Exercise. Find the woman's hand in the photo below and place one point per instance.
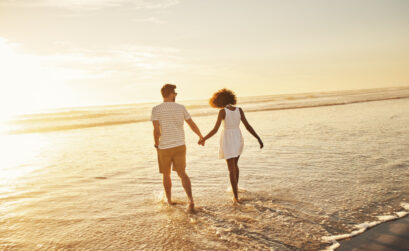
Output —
(201, 141)
(261, 143)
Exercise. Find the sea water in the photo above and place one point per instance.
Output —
(87, 179)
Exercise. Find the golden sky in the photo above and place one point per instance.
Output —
(78, 52)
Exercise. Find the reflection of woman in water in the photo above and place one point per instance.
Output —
(231, 141)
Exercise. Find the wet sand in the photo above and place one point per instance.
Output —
(393, 235)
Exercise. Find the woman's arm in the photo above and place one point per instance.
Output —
(220, 117)
(249, 128)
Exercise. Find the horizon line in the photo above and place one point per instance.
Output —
(40, 111)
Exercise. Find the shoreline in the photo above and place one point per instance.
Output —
(374, 235)
(391, 235)
(65, 127)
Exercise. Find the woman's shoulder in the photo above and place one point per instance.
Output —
(222, 112)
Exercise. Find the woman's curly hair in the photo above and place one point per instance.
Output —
(223, 97)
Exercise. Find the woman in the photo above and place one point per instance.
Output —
(231, 141)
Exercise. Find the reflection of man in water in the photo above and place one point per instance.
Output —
(167, 119)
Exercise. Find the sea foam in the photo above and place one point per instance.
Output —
(362, 227)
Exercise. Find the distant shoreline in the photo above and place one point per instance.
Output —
(127, 114)
(240, 98)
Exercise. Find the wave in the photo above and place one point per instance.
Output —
(361, 228)
(84, 117)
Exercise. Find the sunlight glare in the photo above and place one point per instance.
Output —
(27, 84)
(19, 157)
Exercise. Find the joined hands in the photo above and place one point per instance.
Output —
(201, 141)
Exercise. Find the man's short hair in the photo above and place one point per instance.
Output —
(167, 89)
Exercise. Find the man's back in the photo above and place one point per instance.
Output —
(171, 117)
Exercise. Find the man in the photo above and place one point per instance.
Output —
(168, 119)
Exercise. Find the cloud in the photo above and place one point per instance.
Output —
(125, 58)
(92, 4)
(153, 20)
(67, 62)
(55, 78)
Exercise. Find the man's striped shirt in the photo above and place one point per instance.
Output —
(171, 117)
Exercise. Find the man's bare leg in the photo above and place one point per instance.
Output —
(188, 189)
(167, 184)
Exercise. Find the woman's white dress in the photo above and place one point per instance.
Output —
(231, 140)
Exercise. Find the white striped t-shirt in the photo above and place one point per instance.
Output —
(171, 117)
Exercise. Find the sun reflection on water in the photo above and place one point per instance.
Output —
(18, 159)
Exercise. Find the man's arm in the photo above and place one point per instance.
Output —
(194, 127)
(156, 132)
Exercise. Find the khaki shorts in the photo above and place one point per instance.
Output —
(175, 155)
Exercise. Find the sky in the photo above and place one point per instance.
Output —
(57, 53)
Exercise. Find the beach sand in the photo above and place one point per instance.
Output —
(393, 235)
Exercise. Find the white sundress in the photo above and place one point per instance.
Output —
(231, 140)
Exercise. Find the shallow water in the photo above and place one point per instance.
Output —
(323, 171)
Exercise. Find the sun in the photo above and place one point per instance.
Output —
(27, 84)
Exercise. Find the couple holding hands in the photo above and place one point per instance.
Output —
(168, 118)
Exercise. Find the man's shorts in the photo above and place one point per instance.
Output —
(175, 156)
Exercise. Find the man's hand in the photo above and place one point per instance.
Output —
(201, 141)
(195, 129)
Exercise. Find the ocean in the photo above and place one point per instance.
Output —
(86, 178)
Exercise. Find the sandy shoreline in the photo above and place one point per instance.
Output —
(392, 235)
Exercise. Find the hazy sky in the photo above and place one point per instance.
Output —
(79, 52)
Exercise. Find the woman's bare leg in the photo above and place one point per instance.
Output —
(237, 169)
(231, 164)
